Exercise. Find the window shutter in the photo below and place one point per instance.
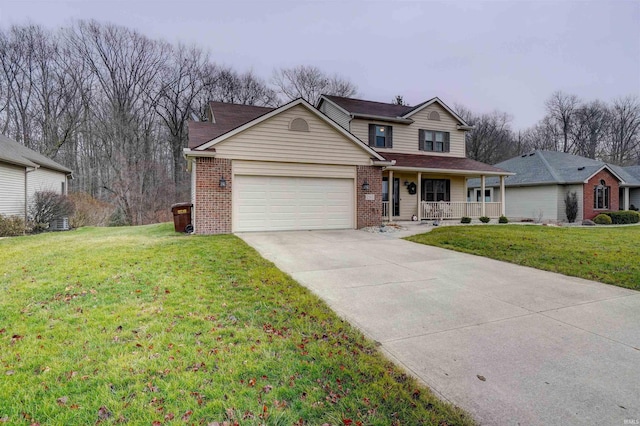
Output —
(447, 196)
(421, 146)
(390, 137)
(446, 143)
(372, 135)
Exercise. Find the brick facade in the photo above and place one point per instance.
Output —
(369, 212)
(588, 193)
(212, 210)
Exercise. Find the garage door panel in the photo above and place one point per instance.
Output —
(263, 203)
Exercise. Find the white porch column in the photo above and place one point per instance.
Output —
(482, 185)
(390, 207)
(419, 196)
(626, 198)
(503, 208)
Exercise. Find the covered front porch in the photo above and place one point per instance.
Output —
(427, 194)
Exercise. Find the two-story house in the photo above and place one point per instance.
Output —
(348, 163)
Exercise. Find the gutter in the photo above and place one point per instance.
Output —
(450, 171)
(383, 163)
(382, 118)
(462, 127)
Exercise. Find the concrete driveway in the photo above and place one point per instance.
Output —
(509, 344)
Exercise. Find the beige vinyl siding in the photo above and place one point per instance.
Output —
(409, 203)
(405, 137)
(562, 192)
(12, 190)
(634, 197)
(335, 114)
(532, 202)
(271, 140)
(45, 180)
(261, 168)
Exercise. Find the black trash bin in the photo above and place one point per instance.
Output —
(182, 217)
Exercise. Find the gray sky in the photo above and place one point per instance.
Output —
(486, 55)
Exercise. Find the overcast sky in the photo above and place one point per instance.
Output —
(497, 55)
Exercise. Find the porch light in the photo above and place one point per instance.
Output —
(223, 182)
(365, 185)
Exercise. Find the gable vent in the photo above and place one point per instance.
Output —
(433, 115)
(299, 125)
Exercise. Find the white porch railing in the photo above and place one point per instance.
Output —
(385, 209)
(458, 209)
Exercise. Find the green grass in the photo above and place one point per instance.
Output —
(606, 254)
(145, 326)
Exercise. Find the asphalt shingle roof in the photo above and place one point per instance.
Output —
(439, 162)
(227, 117)
(552, 167)
(15, 153)
(360, 106)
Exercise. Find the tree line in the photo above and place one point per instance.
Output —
(608, 131)
(113, 105)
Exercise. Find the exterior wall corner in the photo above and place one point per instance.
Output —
(368, 211)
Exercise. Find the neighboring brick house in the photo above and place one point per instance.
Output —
(543, 178)
(299, 167)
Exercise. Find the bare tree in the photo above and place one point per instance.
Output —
(590, 128)
(309, 82)
(543, 136)
(246, 89)
(126, 66)
(624, 138)
(183, 79)
(561, 109)
(491, 139)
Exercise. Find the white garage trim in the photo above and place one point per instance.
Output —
(267, 168)
(279, 203)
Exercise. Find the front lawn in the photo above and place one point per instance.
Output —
(608, 254)
(145, 326)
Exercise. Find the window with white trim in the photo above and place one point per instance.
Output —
(601, 196)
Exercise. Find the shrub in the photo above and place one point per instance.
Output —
(89, 211)
(624, 217)
(571, 206)
(46, 206)
(484, 219)
(11, 226)
(503, 219)
(465, 219)
(602, 219)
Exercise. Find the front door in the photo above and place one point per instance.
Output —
(396, 194)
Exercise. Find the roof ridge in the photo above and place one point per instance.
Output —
(548, 166)
(367, 100)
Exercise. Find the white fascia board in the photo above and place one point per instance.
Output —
(186, 153)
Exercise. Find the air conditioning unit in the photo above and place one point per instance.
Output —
(59, 224)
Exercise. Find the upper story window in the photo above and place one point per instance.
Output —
(433, 141)
(380, 136)
(601, 195)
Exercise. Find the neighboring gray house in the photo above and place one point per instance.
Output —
(24, 172)
(543, 178)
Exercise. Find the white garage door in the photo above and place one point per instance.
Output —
(268, 203)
